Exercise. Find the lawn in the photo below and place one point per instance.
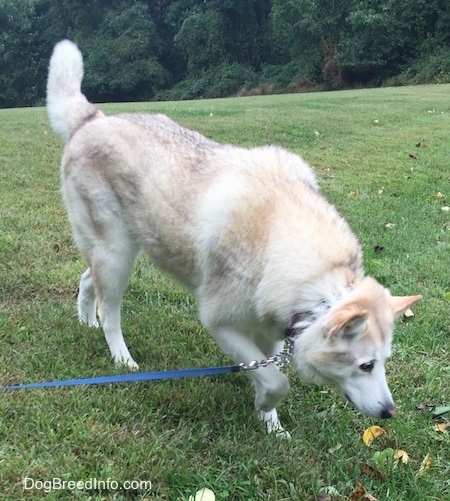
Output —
(382, 157)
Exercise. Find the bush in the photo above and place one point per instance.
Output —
(431, 66)
(223, 81)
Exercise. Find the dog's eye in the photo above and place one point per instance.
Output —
(367, 367)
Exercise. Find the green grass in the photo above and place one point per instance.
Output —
(187, 434)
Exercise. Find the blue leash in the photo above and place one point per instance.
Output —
(280, 360)
(125, 378)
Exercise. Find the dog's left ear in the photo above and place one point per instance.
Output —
(347, 321)
(399, 304)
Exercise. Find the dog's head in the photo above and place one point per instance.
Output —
(348, 346)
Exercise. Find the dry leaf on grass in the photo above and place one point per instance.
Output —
(360, 494)
(370, 471)
(441, 427)
(402, 455)
(371, 433)
(426, 463)
(425, 406)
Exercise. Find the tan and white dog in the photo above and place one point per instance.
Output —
(245, 229)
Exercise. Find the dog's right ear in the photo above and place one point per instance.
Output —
(346, 322)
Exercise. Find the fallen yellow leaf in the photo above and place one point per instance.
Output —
(353, 193)
(441, 427)
(426, 463)
(438, 195)
(402, 455)
(371, 433)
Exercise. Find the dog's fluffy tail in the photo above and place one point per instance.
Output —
(67, 107)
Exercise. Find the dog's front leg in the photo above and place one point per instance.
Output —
(271, 387)
(270, 384)
(273, 424)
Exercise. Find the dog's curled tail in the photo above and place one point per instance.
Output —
(67, 107)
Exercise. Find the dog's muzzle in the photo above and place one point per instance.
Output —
(388, 413)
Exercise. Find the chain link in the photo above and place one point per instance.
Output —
(281, 359)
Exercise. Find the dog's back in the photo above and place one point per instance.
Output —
(175, 188)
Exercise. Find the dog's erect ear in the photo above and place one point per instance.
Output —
(399, 304)
(347, 321)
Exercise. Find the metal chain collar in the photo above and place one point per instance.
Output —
(281, 359)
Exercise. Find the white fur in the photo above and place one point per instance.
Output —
(66, 105)
(245, 230)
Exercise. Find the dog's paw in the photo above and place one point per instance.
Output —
(273, 424)
(87, 319)
(128, 363)
(88, 315)
(283, 434)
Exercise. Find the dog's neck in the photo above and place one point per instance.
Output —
(303, 319)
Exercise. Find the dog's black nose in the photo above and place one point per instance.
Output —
(388, 413)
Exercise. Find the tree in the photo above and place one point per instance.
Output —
(296, 37)
(136, 49)
(121, 61)
(201, 40)
(23, 52)
(382, 37)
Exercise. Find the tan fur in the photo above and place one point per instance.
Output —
(245, 229)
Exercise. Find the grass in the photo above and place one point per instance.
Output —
(382, 157)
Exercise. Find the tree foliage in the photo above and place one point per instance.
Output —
(122, 59)
(157, 49)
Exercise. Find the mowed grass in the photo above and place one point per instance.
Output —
(382, 157)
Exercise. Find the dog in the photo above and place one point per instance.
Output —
(246, 230)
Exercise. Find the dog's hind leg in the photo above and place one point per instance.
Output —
(110, 262)
(110, 273)
(87, 303)
(104, 238)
